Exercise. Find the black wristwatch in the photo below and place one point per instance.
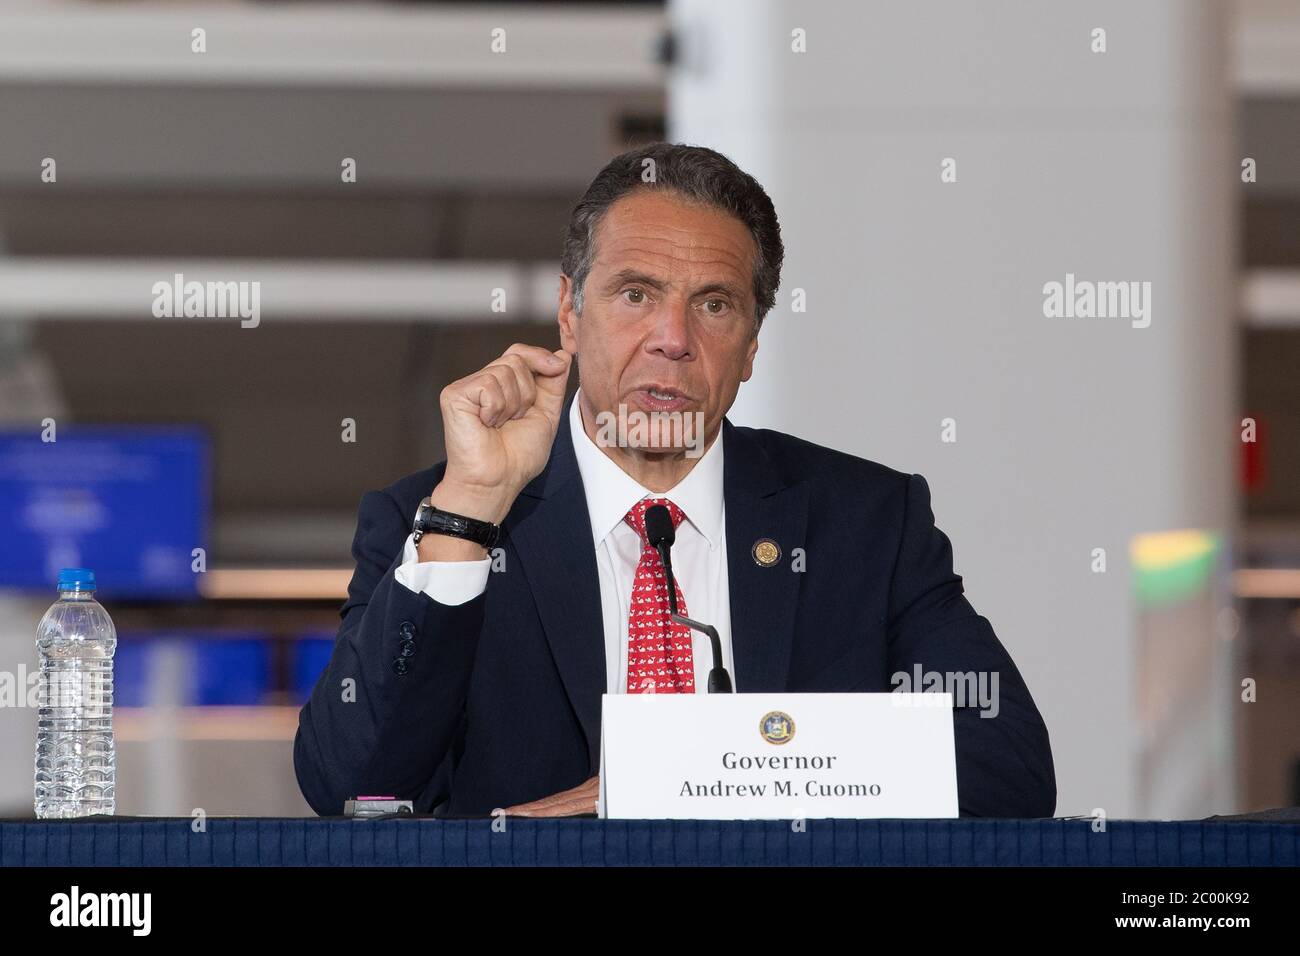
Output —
(429, 520)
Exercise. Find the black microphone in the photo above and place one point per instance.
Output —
(661, 534)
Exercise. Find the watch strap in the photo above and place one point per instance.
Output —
(432, 520)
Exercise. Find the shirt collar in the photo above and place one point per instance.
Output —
(611, 492)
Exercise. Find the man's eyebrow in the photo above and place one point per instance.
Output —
(632, 275)
(734, 291)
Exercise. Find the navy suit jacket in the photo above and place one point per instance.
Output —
(500, 701)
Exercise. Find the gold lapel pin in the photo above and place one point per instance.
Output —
(766, 552)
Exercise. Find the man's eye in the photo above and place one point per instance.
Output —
(635, 296)
(716, 306)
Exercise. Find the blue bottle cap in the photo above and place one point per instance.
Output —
(76, 579)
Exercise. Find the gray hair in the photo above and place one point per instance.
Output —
(697, 174)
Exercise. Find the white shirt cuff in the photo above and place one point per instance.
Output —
(447, 582)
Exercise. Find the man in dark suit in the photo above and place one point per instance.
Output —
(500, 593)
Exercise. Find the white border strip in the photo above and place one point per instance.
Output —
(353, 44)
(1270, 298)
(319, 289)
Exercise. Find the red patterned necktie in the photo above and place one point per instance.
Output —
(659, 658)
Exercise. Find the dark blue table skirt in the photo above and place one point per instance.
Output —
(336, 842)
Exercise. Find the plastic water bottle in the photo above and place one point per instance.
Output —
(75, 757)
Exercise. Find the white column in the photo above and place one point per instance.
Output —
(925, 302)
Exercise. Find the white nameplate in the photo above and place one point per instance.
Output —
(777, 756)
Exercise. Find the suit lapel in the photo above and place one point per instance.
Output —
(553, 541)
(760, 504)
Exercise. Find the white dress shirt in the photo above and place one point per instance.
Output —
(699, 554)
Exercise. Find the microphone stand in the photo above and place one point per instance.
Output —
(719, 679)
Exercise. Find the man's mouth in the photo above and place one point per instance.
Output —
(661, 398)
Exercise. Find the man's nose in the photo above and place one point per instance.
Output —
(671, 336)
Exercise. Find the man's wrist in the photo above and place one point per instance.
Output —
(483, 504)
(486, 504)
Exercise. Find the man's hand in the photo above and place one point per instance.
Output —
(567, 803)
(499, 424)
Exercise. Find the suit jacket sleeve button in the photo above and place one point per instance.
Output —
(407, 630)
(407, 649)
(400, 667)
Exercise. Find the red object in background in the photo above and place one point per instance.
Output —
(1252, 458)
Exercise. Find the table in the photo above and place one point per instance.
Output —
(249, 841)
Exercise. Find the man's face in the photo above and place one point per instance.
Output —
(667, 323)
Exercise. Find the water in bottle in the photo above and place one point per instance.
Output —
(75, 757)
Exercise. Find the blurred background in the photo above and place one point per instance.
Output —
(1139, 559)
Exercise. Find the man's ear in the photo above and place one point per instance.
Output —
(566, 317)
(750, 352)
